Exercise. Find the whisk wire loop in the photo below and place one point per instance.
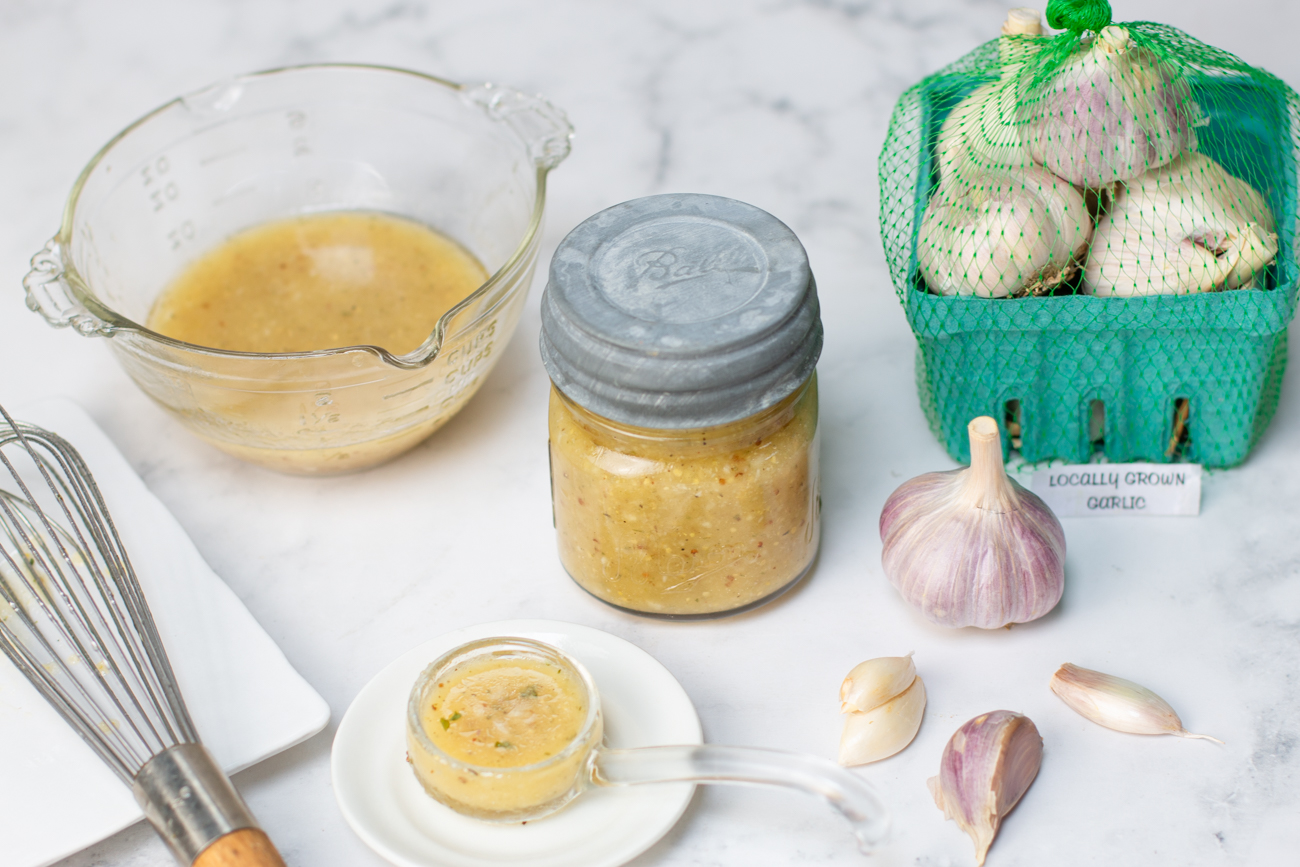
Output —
(74, 618)
(82, 647)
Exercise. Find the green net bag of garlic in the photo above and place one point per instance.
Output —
(1108, 160)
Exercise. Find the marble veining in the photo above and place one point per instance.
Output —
(784, 104)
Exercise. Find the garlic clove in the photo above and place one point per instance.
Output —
(1117, 703)
(971, 547)
(986, 767)
(879, 733)
(874, 682)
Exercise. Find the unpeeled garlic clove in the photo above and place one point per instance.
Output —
(986, 767)
(874, 682)
(971, 547)
(884, 730)
(1117, 703)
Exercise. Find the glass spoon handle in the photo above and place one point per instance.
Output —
(848, 793)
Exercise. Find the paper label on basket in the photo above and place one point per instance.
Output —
(1121, 489)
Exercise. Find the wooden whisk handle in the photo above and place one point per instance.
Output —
(193, 806)
(247, 847)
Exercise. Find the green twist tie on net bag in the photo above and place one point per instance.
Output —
(1078, 15)
(1093, 235)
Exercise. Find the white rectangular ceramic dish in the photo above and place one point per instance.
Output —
(56, 796)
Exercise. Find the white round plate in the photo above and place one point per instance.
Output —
(643, 704)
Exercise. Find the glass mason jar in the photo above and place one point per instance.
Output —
(681, 334)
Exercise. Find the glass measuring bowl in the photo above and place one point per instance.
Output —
(527, 792)
(468, 161)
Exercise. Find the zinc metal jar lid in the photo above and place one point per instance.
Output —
(680, 311)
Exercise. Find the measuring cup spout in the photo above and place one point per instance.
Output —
(852, 796)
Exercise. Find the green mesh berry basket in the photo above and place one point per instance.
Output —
(1160, 337)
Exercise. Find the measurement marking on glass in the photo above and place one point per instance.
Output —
(181, 234)
(420, 384)
(224, 155)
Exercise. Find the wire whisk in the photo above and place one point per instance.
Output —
(74, 621)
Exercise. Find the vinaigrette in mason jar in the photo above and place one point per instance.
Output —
(686, 522)
(681, 333)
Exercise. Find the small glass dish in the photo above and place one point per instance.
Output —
(513, 793)
(468, 161)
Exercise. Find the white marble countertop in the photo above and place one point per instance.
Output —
(783, 104)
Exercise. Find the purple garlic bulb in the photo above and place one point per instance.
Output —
(986, 767)
(971, 547)
(1109, 114)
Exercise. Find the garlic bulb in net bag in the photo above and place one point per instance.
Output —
(1106, 108)
(999, 225)
(981, 135)
(1188, 226)
(1003, 234)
